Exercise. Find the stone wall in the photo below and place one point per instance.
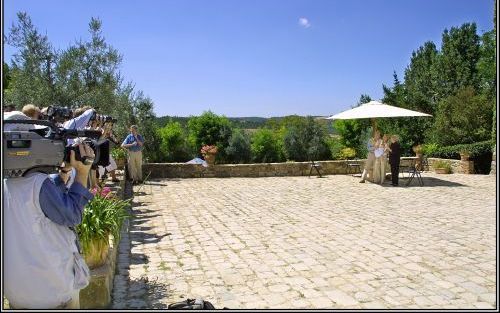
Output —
(182, 170)
(97, 295)
(457, 166)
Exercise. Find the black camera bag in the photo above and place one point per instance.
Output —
(191, 304)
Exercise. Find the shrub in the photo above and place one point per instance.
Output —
(335, 146)
(464, 117)
(210, 129)
(174, 146)
(430, 148)
(238, 150)
(453, 152)
(118, 153)
(347, 153)
(265, 147)
(442, 164)
(304, 139)
(293, 145)
(354, 134)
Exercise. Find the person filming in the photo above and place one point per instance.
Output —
(43, 268)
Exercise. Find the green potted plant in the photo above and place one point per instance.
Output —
(119, 155)
(418, 149)
(442, 167)
(464, 155)
(102, 217)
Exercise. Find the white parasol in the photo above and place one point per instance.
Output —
(374, 109)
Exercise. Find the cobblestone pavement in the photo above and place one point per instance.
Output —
(299, 242)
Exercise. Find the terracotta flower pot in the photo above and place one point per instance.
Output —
(441, 170)
(96, 253)
(120, 163)
(210, 158)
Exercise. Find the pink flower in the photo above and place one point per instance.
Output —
(208, 149)
(105, 191)
(93, 191)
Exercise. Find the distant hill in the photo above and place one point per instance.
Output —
(252, 122)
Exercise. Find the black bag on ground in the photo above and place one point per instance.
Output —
(191, 304)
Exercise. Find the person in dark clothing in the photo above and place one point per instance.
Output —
(394, 159)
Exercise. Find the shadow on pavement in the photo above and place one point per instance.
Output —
(147, 293)
(429, 182)
(151, 183)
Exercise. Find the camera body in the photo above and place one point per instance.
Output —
(58, 114)
(102, 118)
(25, 151)
(43, 149)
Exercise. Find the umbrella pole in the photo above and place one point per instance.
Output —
(374, 126)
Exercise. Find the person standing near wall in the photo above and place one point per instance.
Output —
(134, 144)
(370, 161)
(394, 159)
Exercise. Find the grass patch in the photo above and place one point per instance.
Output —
(163, 266)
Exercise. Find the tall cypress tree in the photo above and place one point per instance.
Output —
(457, 63)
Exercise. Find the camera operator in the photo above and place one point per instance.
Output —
(43, 266)
(111, 168)
(81, 118)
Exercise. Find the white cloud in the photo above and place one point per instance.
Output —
(304, 22)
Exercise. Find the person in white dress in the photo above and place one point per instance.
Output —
(368, 170)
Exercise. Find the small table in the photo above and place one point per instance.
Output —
(412, 169)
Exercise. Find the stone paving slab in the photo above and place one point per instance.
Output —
(299, 242)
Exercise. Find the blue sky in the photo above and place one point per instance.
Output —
(256, 57)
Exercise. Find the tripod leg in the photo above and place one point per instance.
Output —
(317, 170)
(410, 179)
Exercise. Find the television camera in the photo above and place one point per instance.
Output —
(43, 149)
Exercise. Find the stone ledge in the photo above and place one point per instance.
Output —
(183, 170)
(97, 295)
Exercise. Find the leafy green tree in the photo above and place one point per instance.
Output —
(144, 117)
(305, 141)
(420, 80)
(353, 133)
(457, 62)
(238, 149)
(32, 70)
(210, 129)
(5, 76)
(486, 67)
(174, 146)
(265, 147)
(494, 127)
(463, 118)
(87, 72)
(411, 130)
